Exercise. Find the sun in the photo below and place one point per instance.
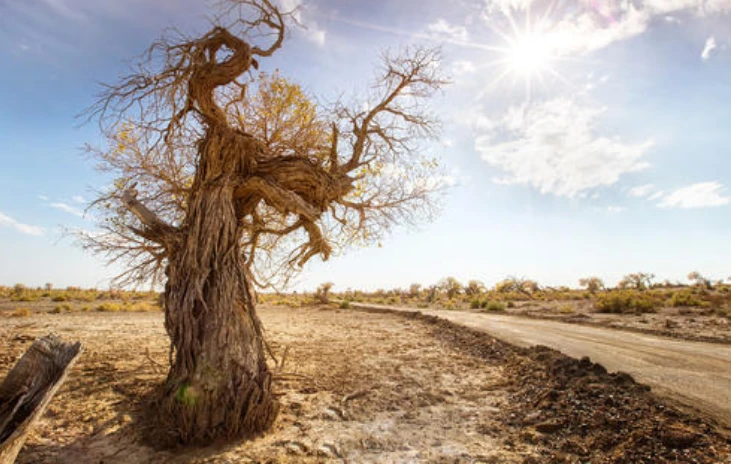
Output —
(529, 56)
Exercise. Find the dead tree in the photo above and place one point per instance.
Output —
(225, 177)
(29, 387)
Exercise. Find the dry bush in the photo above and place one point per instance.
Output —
(20, 312)
(626, 302)
(493, 306)
(109, 307)
(58, 309)
(322, 294)
(685, 298)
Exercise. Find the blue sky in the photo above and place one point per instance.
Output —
(615, 160)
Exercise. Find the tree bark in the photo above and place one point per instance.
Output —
(219, 386)
(29, 387)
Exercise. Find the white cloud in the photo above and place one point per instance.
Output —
(43, 197)
(310, 29)
(643, 191)
(78, 199)
(708, 48)
(616, 209)
(701, 195)
(581, 27)
(463, 67)
(7, 221)
(67, 208)
(442, 30)
(553, 147)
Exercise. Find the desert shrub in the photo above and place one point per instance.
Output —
(475, 287)
(494, 306)
(475, 303)
(592, 284)
(625, 302)
(65, 307)
(510, 304)
(60, 298)
(566, 309)
(108, 307)
(345, 304)
(19, 289)
(700, 281)
(684, 298)
(20, 312)
(638, 281)
(451, 287)
(322, 294)
(723, 312)
(25, 298)
(142, 306)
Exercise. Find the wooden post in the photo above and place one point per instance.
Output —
(29, 387)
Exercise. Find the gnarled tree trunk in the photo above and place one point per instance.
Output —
(218, 385)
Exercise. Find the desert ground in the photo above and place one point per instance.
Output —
(357, 387)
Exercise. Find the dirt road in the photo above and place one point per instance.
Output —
(692, 373)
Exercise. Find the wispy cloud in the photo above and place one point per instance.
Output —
(463, 67)
(310, 29)
(708, 48)
(700, 195)
(553, 147)
(616, 209)
(442, 29)
(62, 9)
(67, 208)
(7, 221)
(645, 191)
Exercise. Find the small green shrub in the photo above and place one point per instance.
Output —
(475, 303)
(345, 304)
(625, 302)
(511, 304)
(59, 298)
(494, 306)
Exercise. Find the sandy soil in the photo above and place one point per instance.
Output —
(360, 387)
